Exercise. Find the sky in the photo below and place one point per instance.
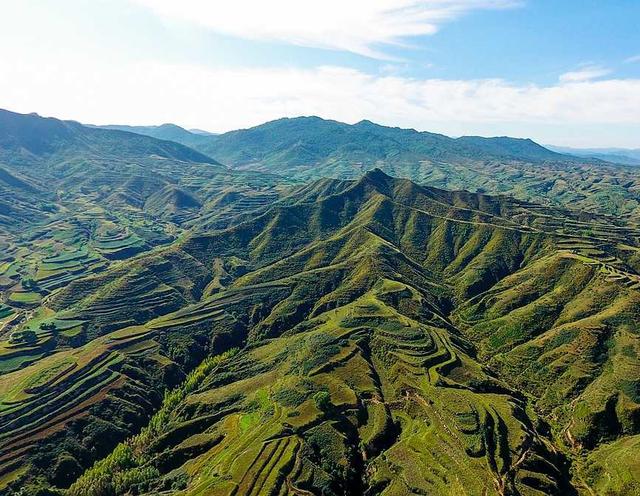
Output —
(562, 72)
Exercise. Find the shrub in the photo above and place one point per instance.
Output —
(66, 470)
(125, 466)
(24, 337)
(322, 400)
(289, 397)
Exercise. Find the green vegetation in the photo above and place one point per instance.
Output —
(310, 148)
(127, 467)
(180, 328)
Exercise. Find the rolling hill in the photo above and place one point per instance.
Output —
(27, 138)
(365, 336)
(169, 132)
(75, 200)
(308, 148)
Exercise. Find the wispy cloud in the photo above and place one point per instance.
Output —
(223, 99)
(584, 73)
(362, 27)
(631, 60)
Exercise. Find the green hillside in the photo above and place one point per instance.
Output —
(367, 336)
(27, 138)
(169, 132)
(303, 141)
(308, 148)
(74, 200)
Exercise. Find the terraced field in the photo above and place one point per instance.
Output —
(289, 427)
(170, 326)
(73, 208)
(368, 336)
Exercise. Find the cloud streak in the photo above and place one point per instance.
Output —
(585, 73)
(224, 99)
(364, 27)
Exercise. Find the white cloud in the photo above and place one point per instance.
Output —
(223, 99)
(359, 26)
(631, 60)
(585, 73)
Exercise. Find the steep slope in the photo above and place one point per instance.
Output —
(345, 320)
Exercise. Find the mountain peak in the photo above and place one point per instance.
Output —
(366, 122)
(378, 179)
(170, 125)
(377, 174)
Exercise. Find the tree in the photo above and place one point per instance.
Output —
(27, 336)
(322, 400)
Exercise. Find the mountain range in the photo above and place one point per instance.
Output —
(308, 148)
(626, 156)
(215, 317)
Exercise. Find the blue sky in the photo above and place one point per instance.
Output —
(562, 72)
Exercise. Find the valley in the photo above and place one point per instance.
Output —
(180, 323)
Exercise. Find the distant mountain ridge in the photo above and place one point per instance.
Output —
(170, 132)
(309, 148)
(26, 137)
(308, 141)
(625, 156)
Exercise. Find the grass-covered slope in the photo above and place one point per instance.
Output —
(29, 137)
(363, 337)
(303, 141)
(75, 200)
(309, 148)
